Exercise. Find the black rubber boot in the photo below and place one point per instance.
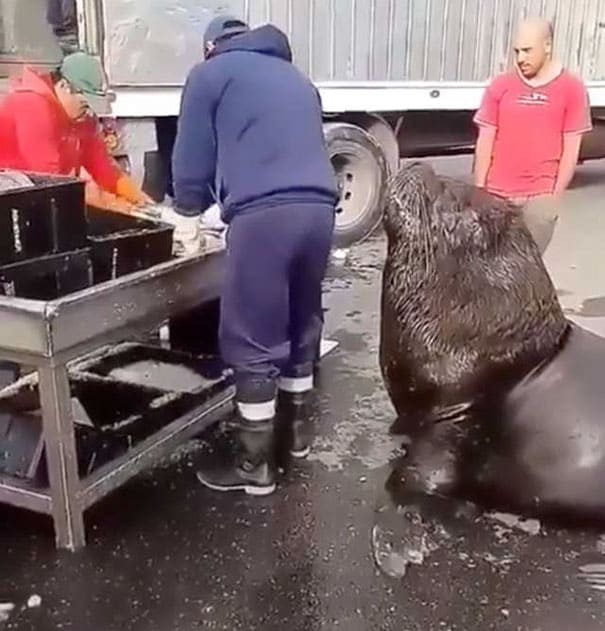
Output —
(293, 413)
(254, 468)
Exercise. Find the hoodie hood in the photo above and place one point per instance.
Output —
(31, 81)
(266, 40)
(37, 83)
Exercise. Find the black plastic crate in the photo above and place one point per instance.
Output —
(98, 406)
(110, 417)
(47, 218)
(47, 277)
(122, 244)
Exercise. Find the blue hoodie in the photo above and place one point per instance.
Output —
(250, 131)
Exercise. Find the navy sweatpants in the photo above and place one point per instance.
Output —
(271, 307)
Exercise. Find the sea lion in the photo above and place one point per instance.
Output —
(466, 299)
(499, 392)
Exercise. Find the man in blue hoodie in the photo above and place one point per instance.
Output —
(250, 138)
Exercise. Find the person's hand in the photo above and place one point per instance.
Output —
(126, 188)
(212, 239)
(144, 200)
(147, 212)
(103, 200)
(186, 237)
(120, 205)
(557, 197)
(553, 199)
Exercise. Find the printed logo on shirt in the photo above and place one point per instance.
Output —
(533, 98)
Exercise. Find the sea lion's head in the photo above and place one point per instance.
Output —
(437, 219)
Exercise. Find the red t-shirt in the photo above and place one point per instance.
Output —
(530, 123)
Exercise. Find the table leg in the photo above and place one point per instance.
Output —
(61, 457)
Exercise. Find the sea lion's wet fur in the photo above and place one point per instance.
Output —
(467, 304)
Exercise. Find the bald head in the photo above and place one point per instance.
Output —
(533, 46)
(539, 29)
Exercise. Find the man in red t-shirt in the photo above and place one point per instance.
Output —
(531, 123)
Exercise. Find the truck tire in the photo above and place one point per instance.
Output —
(380, 130)
(362, 174)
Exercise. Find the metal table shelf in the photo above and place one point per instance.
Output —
(49, 335)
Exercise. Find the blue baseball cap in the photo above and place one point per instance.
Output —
(224, 26)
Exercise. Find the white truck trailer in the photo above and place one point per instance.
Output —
(398, 78)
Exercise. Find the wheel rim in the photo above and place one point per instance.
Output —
(355, 176)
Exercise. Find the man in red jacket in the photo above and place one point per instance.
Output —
(48, 125)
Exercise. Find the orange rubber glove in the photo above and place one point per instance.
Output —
(106, 201)
(127, 189)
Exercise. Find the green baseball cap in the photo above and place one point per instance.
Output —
(85, 74)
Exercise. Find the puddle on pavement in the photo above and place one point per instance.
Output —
(408, 540)
(359, 437)
(415, 533)
(590, 308)
(593, 308)
(410, 527)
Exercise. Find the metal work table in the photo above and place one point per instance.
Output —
(48, 335)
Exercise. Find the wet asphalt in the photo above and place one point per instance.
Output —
(333, 548)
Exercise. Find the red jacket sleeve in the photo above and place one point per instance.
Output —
(36, 134)
(96, 159)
